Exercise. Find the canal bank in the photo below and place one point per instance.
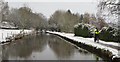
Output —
(12, 35)
(45, 46)
(107, 53)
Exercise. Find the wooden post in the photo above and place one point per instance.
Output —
(11, 33)
(7, 34)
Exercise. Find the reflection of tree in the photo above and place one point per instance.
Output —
(4, 56)
(96, 58)
(61, 48)
(0, 52)
(24, 48)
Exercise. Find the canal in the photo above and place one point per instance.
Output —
(44, 47)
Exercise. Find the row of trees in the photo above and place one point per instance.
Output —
(25, 18)
(60, 20)
(22, 17)
(65, 20)
(95, 20)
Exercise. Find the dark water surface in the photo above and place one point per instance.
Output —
(44, 47)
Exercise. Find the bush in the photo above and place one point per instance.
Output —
(83, 30)
(109, 34)
(106, 33)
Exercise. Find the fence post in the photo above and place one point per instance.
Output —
(11, 33)
(2, 36)
(7, 35)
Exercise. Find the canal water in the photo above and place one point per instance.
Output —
(44, 47)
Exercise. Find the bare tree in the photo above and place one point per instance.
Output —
(64, 20)
(109, 10)
(25, 18)
(86, 18)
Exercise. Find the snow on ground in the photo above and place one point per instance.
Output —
(90, 41)
(6, 33)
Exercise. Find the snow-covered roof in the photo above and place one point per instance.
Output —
(7, 25)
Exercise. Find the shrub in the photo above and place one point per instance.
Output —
(106, 33)
(83, 30)
(109, 34)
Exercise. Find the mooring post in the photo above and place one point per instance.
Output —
(11, 33)
(7, 35)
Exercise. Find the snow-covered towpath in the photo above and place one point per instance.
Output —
(111, 46)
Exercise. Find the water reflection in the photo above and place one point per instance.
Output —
(60, 48)
(43, 47)
(0, 53)
(24, 48)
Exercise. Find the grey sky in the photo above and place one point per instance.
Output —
(48, 8)
(51, 0)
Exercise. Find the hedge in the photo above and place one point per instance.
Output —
(106, 33)
(109, 34)
(83, 30)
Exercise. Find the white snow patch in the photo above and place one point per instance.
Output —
(6, 33)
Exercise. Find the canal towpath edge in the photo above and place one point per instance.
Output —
(110, 46)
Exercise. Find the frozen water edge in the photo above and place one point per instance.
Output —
(6, 33)
(90, 41)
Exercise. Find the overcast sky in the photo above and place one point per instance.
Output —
(48, 7)
(51, 0)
